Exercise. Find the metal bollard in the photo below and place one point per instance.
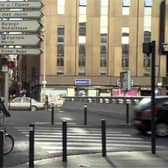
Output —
(52, 115)
(64, 141)
(31, 146)
(1, 149)
(103, 134)
(85, 114)
(127, 113)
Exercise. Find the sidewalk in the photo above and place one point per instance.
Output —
(138, 159)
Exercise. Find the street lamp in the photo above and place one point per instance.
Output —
(44, 81)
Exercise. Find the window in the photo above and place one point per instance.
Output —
(82, 55)
(147, 36)
(60, 49)
(126, 7)
(103, 35)
(125, 46)
(60, 60)
(82, 29)
(125, 35)
(125, 55)
(60, 73)
(61, 30)
(103, 57)
(147, 28)
(148, 3)
(147, 60)
(82, 36)
(60, 6)
(60, 46)
(60, 39)
(82, 2)
(81, 74)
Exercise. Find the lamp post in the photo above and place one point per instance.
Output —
(44, 81)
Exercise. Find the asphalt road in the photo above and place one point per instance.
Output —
(81, 138)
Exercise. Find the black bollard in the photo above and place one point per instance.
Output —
(1, 148)
(64, 141)
(127, 113)
(85, 114)
(103, 134)
(31, 146)
(52, 115)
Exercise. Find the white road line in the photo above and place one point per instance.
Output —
(84, 139)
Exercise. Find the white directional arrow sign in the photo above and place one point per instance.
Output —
(20, 14)
(19, 39)
(19, 26)
(20, 51)
(20, 4)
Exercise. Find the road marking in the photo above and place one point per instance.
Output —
(85, 139)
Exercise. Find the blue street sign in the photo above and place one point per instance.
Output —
(82, 82)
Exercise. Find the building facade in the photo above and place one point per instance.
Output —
(88, 43)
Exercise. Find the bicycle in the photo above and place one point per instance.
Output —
(8, 140)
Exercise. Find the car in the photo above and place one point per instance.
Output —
(143, 115)
(25, 103)
(56, 102)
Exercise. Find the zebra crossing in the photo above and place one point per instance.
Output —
(82, 140)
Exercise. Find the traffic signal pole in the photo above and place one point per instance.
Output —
(149, 48)
(153, 124)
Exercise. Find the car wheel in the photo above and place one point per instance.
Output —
(161, 129)
(33, 108)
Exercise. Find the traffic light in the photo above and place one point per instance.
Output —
(10, 64)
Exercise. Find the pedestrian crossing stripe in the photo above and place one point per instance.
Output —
(85, 139)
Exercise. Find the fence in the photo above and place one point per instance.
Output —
(108, 100)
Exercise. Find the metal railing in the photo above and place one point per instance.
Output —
(108, 100)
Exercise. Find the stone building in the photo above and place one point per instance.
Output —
(86, 45)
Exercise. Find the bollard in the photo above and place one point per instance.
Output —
(64, 141)
(85, 114)
(103, 134)
(127, 113)
(52, 115)
(31, 146)
(46, 102)
(1, 148)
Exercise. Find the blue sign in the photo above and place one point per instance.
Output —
(82, 82)
(3, 36)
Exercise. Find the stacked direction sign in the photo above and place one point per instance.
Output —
(27, 24)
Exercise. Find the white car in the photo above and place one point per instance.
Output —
(56, 102)
(25, 103)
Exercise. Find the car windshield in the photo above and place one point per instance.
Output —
(17, 100)
(144, 103)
